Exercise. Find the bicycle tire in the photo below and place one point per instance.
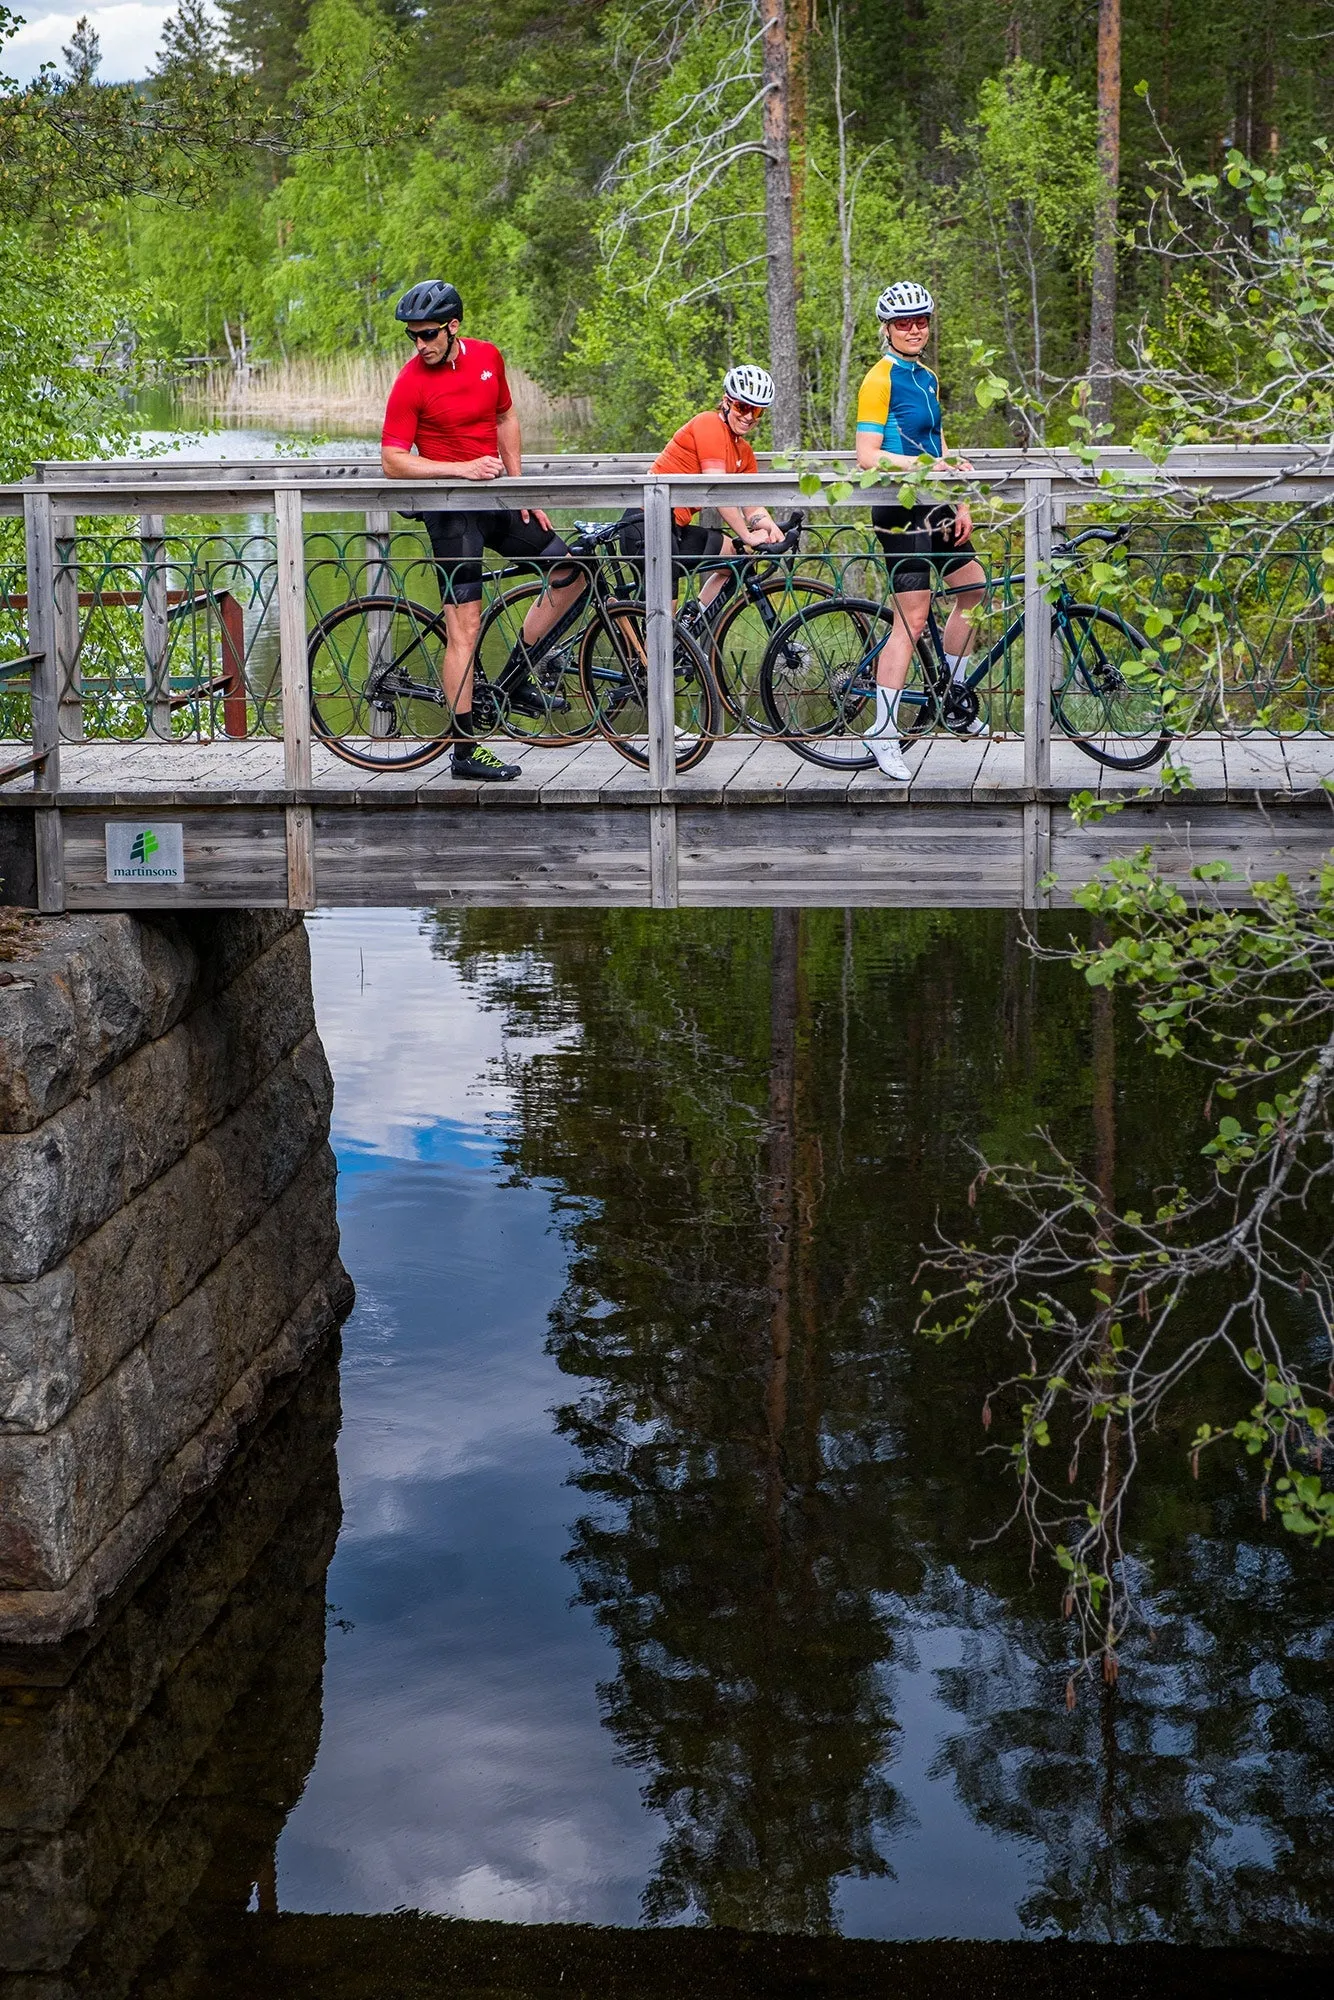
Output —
(817, 681)
(1116, 721)
(390, 734)
(556, 675)
(612, 675)
(736, 654)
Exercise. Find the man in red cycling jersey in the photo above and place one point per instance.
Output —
(450, 415)
(716, 441)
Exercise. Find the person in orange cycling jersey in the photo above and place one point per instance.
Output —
(715, 441)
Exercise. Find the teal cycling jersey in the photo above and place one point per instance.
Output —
(899, 400)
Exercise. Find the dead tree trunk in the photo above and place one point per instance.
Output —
(780, 261)
(1102, 324)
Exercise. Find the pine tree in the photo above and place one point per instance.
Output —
(82, 54)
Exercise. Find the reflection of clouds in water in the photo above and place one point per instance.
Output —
(417, 1061)
(463, 1767)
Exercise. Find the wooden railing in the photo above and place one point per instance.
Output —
(1041, 485)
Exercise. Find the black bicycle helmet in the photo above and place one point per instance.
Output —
(432, 299)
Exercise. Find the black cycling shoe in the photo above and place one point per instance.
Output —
(523, 698)
(478, 760)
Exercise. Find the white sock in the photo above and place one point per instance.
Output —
(958, 664)
(886, 712)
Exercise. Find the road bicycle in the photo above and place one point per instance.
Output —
(817, 679)
(761, 590)
(376, 695)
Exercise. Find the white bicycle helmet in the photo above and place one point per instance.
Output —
(749, 384)
(903, 301)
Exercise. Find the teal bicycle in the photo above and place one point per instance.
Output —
(817, 679)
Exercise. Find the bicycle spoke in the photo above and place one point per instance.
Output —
(375, 689)
(817, 680)
(1107, 697)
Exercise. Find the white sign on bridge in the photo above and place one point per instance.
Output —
(144, 851)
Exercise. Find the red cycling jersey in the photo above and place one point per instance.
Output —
(449, 412)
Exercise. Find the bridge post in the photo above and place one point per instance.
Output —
(40, 542)
(157, 632)
(660, 603)
(379, 583)
(296, 694)
(69, 669)
(1037, 631)
(1038, 663)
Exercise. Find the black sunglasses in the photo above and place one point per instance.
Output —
(425, 333)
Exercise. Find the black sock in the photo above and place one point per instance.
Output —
(463, 733)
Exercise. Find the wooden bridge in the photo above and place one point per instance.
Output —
(269, 821)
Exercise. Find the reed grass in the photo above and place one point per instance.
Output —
(347, 394)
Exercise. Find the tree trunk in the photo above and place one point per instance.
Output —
(1102, 327)
(798, 28)
(780, 262)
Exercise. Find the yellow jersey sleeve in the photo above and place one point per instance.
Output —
(873, 407)
(873, 401)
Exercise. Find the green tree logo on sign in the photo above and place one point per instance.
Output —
(145, 846)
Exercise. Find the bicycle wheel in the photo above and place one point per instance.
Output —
(375, 693)
(1108, 700)
(555, 673)
(738, 642)
(613, 672)
(817, 682)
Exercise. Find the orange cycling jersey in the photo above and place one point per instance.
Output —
(704, 444)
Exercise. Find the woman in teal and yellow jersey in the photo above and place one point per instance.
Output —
(898, 423)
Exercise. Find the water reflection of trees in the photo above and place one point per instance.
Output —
(750, 1135)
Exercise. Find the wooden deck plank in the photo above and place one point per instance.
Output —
(235, 857)
(1002, 769)
(950, 773)
(708, 782)
(1310, 760)
(1255, 764)
(764, 776)
(843, 855)
(582, 781)
(522, 858)
(817, 782)
(1203, 757)
(1284, 839)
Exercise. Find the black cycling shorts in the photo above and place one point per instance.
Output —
(691, 544)
(919, 546)
(457, 542)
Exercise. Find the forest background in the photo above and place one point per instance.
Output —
(590, 174)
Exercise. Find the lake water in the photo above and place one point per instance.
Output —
(667, 1596)
(638, 1617)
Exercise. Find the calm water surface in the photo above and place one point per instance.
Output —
(656, 1596)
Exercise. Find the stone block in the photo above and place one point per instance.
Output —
(63, 1490)
(62, 1333)
(96, 988)
(201, 1688)
(59, 1181)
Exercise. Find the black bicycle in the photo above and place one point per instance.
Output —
(376, 693)
(761, 590)
(817, 679)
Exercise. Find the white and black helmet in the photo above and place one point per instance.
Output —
(903, 301)
(749, 384)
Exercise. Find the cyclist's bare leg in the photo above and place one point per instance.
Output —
(967, 588)
(910, 614)
(551, 606)
(463, 622)
(717, 578)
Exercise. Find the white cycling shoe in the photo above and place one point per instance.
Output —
(888, 754)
